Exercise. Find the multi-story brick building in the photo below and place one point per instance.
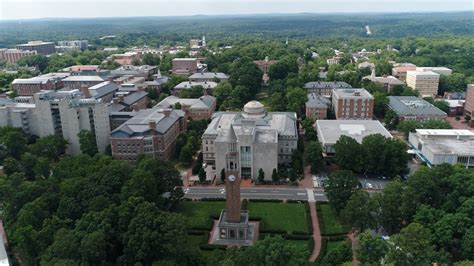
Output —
(352, 104)
(208, 86)
(78, 82)
(45, 48)
(28, 87)
(208, 76)
(317, 106)
(151, 132)
(401, 71)
(264, 65)
(425, 82)
(144, 71)
(469, 106)
(184, 66)
(386, 82)
(197, 109)
(13, 55)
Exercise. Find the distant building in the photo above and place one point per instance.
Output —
(85, 70)
(18, 115)
(129, 79)
(425, 82)
(456, 95)
(78, 44)
(186, 85)
(439, 70)
(317, 106)
(208, 76)
(45, 48)
(128, 102)
(144, 71)
(401, 71)
(352, 104)
(469, 106)
(125, 58)
(456, 107)
(151, 132)
(386, 82)
(103, 91)
(366, 65)
(184, 66)
(264, 65)
(30, 86)
(78, 82)
(325, 88)
(333, 61)
(329, 131)
(438, 146)
(13, 55)
(264, 139)
(197, 109)
(414, 108)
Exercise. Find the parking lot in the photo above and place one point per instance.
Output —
(366, 183)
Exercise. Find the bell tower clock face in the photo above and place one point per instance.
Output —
(231, 178)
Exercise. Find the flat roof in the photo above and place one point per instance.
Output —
(352, 93)
(422, 73)
(413, 106)
(459, 147)
(445, 132)
(329, 131)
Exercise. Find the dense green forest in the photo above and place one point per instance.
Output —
(169, 30)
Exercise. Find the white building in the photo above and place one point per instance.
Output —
(329, 131)
(425, 82)
(437, 146)
(263, 139)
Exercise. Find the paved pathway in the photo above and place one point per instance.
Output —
(354, 245)
(316, 232)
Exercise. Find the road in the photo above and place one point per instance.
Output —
(258, 193)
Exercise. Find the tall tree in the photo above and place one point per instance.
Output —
(314, 155)
(371, 250)
(87, 142)
(349, 154)
(412, 246)
(358, 211)
(339, 188)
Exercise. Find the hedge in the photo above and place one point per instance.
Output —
(279, 232)
(211, 247)
(322, 252)
(296, 237)
(212, 199)
(311, 245)
(265, 200)
(296, 201)
(186, 199)
(337, 238)
(215, 217)
(255, 218)
(300, 233)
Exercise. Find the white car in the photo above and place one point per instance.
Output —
(369, 186)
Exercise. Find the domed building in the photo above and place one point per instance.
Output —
(263, 140)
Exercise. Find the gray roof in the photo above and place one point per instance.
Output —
(190, 84)
(102, 89)
(138, 126)
(203, 102)
(128, 100)
(413, 106)
(385, 80)
(83, 79)
(352, 93)
(317, 101)
(326, 84)
(209, 75)
(329, 131)
(30, 81)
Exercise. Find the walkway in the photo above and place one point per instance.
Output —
(355, 245)
(316, 232)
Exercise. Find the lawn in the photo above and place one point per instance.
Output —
(287, 217)
(330, 223)
(333, 245)
(198, 213)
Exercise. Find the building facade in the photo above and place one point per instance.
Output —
(317, 106)
(184, 66)
(352, 104)
(208, 86)
(426, 83)
(78, 44)
(469, 106)
(13, 55)
(264, 65)
(438, 146)
(208, 76)
(78, 82)
(151, 132)
(401, 71)
(265, 140)
(325, 89)
(45, 48)
(386, 82)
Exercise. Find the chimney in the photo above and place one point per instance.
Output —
(167, 112)
(85, 91)
(115, 100)
(152, 124)
(135, 107)
(121, 98)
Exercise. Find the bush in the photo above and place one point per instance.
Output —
(196, 232)
(311, 245)
(245, 203)
(211, 247)
(322, 252)
(186, 199)
(300, 233)
(296, 201)
(201, 228)
(265, 200)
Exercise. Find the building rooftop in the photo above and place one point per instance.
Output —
(203, 102)
(209, 75)
(139, 125)
(385, 80)
(352, 93)
(32, 43)
(413, 106)
(189, 84)
(83, 79)
(326, 84)
(445, 132)
(102, 89)
(422, 73)
(460, 147)
(317, 101)
(184, 59)
(329, 131)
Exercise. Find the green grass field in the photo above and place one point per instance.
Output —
(198, 212)
(288, 217)
(334, 244)
(330, 222)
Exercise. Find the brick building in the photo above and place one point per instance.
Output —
(184, 66)
(352, 104)
(197, 109)
(469, 106)
(317, 106)
(13, 55)
(264, 65)
(45, 48)
(151, 132)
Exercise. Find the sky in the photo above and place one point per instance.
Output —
(30, 9)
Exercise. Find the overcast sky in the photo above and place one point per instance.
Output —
(27, 9)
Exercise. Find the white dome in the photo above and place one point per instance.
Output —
(254, 109)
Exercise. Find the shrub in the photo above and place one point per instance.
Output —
(280, 232)
(296, 237)
(265, 200)
(211, 247)
(300, 233)
(213, 199)
(196, 232)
